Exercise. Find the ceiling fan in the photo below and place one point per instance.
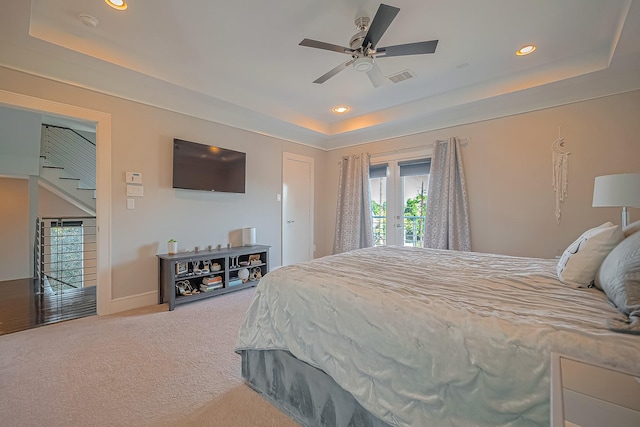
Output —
(363, 48)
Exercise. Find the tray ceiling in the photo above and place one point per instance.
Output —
(239, 63)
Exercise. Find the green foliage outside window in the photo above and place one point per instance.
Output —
(66, 257)
(379, 223)
(414, 216)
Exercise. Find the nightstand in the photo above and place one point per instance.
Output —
(588, 395)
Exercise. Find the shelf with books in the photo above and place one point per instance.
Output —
(191, 276)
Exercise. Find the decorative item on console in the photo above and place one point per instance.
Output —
(184, 288)
(249, 236)
(243, 275)
(172, 246)
(256, 274)
(182, 268)
(196, 267)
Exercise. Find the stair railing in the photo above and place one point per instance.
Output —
(68, 149)
(66, 256)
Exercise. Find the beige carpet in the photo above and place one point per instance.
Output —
(146, 367)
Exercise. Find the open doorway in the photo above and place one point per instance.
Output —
(49, 273)
(102, 124)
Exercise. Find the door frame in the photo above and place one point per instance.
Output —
(310, 160)
(102, 123)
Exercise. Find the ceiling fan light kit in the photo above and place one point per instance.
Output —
(363, 64)
(363, 46)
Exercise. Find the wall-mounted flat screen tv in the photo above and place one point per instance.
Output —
(208, 168)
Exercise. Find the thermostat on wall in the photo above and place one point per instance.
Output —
(134, 178)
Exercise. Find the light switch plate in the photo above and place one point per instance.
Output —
(131, 203)
(135, 190)
(134, 178)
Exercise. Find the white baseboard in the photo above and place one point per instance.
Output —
(134, 301)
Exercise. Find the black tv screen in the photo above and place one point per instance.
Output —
(208, 168)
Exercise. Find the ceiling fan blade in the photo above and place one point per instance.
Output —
(384, 17)
(376, 76)
(416, 48)
(326, 46)
(323, 78)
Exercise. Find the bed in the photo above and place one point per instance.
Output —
(422, 337)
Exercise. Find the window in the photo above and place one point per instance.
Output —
(66, 255)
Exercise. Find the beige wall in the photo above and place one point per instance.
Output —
(142, 139)
(14, 228)
(19, 142)
(50, 205)
(508, 168)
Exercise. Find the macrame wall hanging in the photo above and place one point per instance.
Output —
(560, 162)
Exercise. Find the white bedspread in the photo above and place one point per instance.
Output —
(436, 338)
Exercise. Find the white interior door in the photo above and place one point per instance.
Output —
(297, 208)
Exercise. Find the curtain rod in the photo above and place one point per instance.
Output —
(463, 142)
(383, 153)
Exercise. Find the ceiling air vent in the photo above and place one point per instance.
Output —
(401, 76)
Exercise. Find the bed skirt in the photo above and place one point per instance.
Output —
(304, 393)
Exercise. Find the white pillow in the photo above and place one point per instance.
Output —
(580, 261)
(632, 228)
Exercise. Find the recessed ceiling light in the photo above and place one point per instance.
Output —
(340, 109)
(525, 50)
(117, 4)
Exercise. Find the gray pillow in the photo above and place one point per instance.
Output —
(619, 275)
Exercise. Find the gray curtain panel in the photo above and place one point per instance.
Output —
(354, 221)
(447, 222)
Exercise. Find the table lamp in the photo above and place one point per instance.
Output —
(622, 190)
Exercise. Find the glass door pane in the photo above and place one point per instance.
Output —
(414, 190)
(67, 256)
(379, 209)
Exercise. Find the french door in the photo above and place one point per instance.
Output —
(398, 200)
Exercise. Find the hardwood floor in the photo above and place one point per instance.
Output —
(23, 307)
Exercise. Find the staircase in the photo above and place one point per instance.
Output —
(68, 166)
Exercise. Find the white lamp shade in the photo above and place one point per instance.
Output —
(617, 190)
